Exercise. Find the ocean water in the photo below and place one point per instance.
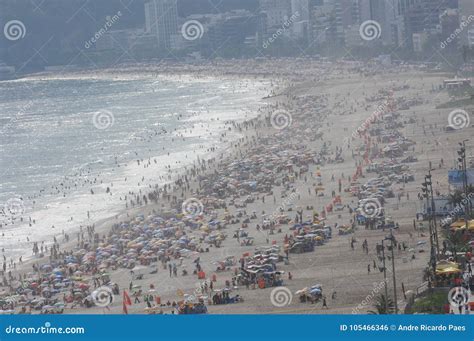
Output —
(64, 138)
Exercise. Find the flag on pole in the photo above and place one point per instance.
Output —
(126, 301)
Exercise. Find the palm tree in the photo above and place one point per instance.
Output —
(383, 305)
(455, 198)
(470, 189)
(456, 242)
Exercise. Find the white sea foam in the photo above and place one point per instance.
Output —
(56, 138)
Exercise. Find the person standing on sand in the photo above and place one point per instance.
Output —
(325, 304)
(175, 270)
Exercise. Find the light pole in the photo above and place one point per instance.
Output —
(392, 245)
(427, 189)
(424, 188)
(433, 213)
(385, 277)
(462, 161)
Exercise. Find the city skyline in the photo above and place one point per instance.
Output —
(157, 29)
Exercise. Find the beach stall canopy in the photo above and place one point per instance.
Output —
(461, 225)
(445, 267)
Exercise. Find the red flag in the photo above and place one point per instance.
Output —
(126, 298)
(126, 301)
(124, 308)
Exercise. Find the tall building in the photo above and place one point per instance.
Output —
(395, 20)
(433, 10)
(300, 26)
(466, 15)
(302, 8)
(323, 22)
(276, 11)
(232, 29)
(392, 15)
(384, 12)
(161, 21)
(423, 17)
(350, 13)
(347, 16)
(449, 21)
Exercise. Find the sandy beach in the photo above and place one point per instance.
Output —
(298, 160)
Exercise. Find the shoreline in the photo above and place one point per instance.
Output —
(104, 225)
(131, 167)
(262, 131)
